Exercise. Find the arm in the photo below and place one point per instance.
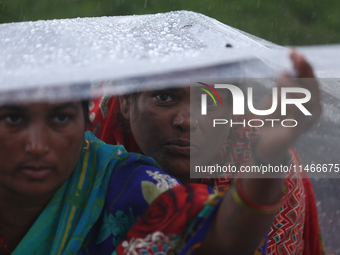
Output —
(236, 229)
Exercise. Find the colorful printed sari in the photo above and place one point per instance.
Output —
(295, 229)
(98, 204)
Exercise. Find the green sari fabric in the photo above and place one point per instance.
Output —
(76, 206)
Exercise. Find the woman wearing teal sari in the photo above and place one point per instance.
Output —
(54, 182)
(75, 208)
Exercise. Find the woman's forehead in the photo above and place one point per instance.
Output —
(40, 106)
(183, 89)
(169, 89)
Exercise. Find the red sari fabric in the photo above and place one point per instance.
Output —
(108, 123)
(162, 229)
(295, 229)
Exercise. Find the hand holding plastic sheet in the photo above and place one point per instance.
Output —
(300, 109)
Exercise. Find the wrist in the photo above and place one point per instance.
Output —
(263, 156)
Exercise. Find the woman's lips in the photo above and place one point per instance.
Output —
(182, 147)
(36, 173)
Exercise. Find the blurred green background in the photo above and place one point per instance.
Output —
(286, 22)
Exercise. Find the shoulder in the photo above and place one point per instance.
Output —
(132, 175)
(137, 178)
(115, 155)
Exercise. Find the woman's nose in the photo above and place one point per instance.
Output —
(36, 140)
(183, 120)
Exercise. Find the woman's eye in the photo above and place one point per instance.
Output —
(164, 97)
(210, 101)
(13, 119)
(61, 118)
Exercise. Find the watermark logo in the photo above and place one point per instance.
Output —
(238, 100)
(204, 97)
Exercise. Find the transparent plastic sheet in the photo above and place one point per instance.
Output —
(58, 60)
(58, 53)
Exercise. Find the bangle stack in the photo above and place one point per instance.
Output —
(242, 200)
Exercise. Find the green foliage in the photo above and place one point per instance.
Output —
(287, 22)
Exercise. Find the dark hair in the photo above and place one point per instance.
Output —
(85, 105)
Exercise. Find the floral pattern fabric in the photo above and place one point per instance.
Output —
(163, 228)
(129, 193)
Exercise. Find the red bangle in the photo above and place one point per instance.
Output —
(241, 199)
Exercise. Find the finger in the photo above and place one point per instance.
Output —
(310, 84)
(301, 65)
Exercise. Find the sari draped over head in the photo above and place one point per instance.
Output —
(295, 229)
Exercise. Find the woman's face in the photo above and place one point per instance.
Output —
(40, 144)
(168, 130)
